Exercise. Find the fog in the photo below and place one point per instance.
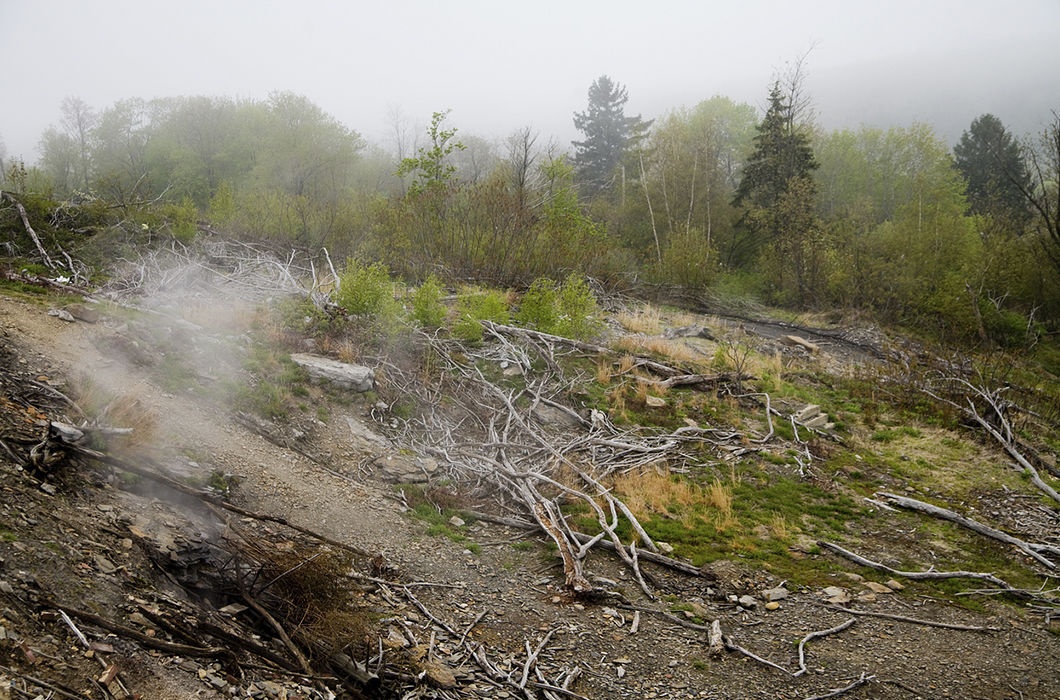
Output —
(503, 65)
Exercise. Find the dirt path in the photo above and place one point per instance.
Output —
(518, 592)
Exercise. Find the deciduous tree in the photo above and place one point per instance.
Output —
(430, 167)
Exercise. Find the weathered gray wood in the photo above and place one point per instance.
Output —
(973, 525)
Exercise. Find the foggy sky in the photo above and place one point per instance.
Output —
(500, 65)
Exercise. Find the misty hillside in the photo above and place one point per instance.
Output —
(742, 383)
(285, 416)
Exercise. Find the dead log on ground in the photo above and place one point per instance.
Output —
(973, 525)
(916, 575)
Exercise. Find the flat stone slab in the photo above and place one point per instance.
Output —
(354, 377)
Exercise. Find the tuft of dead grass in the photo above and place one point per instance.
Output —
(652, 491)
(672, 350)
(347, 351)
(125, 410)
(644, 319)
(310, 593)
(778, 525)
(719, 496)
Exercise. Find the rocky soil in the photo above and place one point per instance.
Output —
(81, 535)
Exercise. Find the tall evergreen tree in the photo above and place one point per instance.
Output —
(608, 133)
(991, 161)
(781, 152)
(778, 194)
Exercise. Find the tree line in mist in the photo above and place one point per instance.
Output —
(962, 244)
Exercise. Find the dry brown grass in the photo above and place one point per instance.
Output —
(641, 390)
(125, 410)
(346, 351)
(651, 491)
(644, 319)
(672, 350)
(779, 527)
(313, 597)
(603, 373)
(719, 496)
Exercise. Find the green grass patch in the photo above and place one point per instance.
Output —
(892, 434)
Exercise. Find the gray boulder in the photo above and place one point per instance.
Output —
(353, 377)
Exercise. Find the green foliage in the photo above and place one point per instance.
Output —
(477, 305)
(991, 162)
(430, 168)
(567, 310)
(782, 151)
(427, 307)
(539, 307)
(1006, 327)
(367, 290)
(222, 205)
(182, 219)
(276, 381)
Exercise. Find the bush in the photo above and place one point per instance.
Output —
(567, 310)
(427, 306)
(475, 306)
(367, 290)
(1007, 328)
(539, 307)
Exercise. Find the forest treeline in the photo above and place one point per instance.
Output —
(960, 243)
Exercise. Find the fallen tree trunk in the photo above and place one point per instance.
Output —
(1007, 439)
(29, 229)
(915, 575)
(657, 367)
(973, 525)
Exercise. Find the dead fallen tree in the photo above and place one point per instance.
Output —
(993, 420)
(930, 575)
(498, 440)
(1032, 550)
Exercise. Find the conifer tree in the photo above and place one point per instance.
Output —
(992, 164)
(608, 133)
(781, 152)
(778, 193)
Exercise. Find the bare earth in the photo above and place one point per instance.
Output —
(52, 545)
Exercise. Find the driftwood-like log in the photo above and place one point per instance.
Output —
(733, 646)
(656, 367)
(152, 642)
(715, 639)
(1007, 438)
(911, 620)
(818, 635)
(29, 229)
(284, 637)
(973, 525)
(839, 691)
(916, 575)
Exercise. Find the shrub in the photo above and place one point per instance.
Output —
(475, 306)
(567, 310)
(539, 307)
(367, 290)
(427, 306)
